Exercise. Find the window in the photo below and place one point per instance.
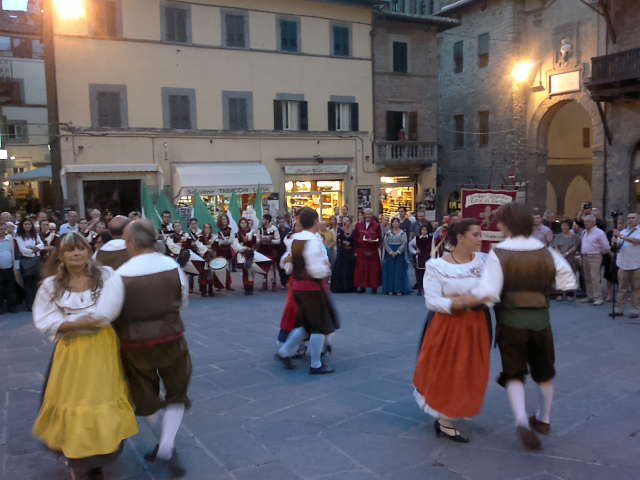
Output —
(11, 92)
(16, 131)
(400, 57)
(235, 28)
(176, 23)
(398, 6)
(289, 34)
(586, 137)
(16, 5)
(483, 127)
(103, 18)
(108, 106)
(458, 57)
(402, 126)
(483, 50)
(237, 110)
(458, 131)
(341, 40)
(290, 115)
(179, 108)
(343, 115)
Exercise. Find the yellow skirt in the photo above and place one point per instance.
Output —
(86, 409)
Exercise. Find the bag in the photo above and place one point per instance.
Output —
(30, 266)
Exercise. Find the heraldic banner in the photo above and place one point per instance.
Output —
(483, 205)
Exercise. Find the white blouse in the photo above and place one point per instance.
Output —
(24, 245)
(443, 279)
(49, 314)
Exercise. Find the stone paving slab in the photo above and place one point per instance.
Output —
(251, 419)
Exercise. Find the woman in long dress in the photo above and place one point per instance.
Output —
(85, 412)
(345, 264)
(452, 369)
(394, 268)
(30, 247)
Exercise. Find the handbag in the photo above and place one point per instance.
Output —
(30, 266)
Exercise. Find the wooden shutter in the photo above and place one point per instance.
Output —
(458, 57)
(170, 23)
(413, 126)
(341, 41)
(109, 114)
(304, 115)
(235, 30)
(181, 25)
(391, 129)
(355, 126)
(400, 61)
(332, 116)
(483, 50)
(277, 115)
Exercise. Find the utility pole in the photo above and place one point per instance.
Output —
(52, 102)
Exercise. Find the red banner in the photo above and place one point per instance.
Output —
(483, 205)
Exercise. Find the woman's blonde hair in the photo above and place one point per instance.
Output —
(55, 266)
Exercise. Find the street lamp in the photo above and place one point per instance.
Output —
(522, 71)
(70, 9)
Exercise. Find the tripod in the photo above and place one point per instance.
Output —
(614, 262)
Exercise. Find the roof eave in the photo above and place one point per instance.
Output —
(444, 22)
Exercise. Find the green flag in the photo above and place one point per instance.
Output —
(148, 208)
(202, 213)
(234, 212)
(258, 205)
(165, 203)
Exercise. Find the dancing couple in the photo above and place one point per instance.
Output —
(518, 276)
(102, 376)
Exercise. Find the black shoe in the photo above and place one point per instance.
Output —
(286, 361)
(456, 437)
(321, 370)
(374, 291)
(360, 290)
(616, 314)
(173, 464)
(529, 439)
(151, 456)
(96, 474)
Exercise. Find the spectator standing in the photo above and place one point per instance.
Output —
(345, 264)
(541, 231)
(566, 242)
(394, 269)
(29, 245)
(627, 243)
(405, 222)
(594, 245)
(550, 220)
(71, 225)
(7, 279)
(420, 221)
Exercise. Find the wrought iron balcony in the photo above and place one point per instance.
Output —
(615, 76)
(406, 153)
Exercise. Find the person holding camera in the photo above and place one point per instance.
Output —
(627, 244)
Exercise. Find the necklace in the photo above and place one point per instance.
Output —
(455, 260)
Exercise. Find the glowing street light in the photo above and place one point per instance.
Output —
(522, 71)
(70, 9)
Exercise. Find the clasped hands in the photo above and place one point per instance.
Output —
(466, 301)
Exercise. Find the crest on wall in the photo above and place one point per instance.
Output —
(565, 45)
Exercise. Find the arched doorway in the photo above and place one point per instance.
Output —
(569, 140)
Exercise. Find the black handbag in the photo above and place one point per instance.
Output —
(30, 266)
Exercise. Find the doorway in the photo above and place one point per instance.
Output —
(118, 196)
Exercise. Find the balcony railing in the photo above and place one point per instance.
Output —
(616, 67)
(406, 153)
(410, 7)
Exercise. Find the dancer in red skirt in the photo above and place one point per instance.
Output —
(367, 237)
(452, 370)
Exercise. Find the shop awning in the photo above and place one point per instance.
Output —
(221, 178)
(42, 173)
(110, 168)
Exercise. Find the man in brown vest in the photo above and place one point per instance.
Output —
(152, 339)
(114, 253)
(519, 275)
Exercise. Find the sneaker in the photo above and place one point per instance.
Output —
(597, 303)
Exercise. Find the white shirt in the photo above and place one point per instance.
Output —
(25, 243)
(112, 246)
(50, 313)
(629, 254)
(6, 252)
(492, 279)
(315, 255)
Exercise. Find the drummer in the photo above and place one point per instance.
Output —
(224, 240)
(176, 241)
(205, 246)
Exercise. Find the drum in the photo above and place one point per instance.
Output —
(218, 263)
(194, 262)
(261, 263)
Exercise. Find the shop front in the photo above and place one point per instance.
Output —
(396, 192)
(320, 187)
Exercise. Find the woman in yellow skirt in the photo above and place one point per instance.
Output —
(85, 413)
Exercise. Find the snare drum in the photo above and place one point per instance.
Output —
(218, 263)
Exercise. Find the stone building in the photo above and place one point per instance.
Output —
(514, 109)
(405, 96)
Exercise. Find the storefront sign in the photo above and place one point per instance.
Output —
(315, 169)
(564, 82)
(226, 190)
(483, 205)
(364, 198)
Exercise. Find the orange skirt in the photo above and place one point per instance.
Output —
(452, 371)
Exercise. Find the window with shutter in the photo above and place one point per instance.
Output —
(290, 115)
(341, 41)
(458, 131)
(235, 31)
(16, 131)
(180, 112)
(176, 24)
(483, 50)
(238, 114)
(483, 127)
(458, 57)
(289, 35)
(343, 117)
(109, 114)
(103, 18)
(400, 57)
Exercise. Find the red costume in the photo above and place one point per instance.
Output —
(368, 269)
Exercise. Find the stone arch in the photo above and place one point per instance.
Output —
(577, 192)
(552, 198)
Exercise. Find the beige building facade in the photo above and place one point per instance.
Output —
(217, 97)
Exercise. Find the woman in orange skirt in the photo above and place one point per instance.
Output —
(452, 369)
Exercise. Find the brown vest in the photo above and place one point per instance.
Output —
(151, 308)
(297, 260)
(112, 258)
(529, 277)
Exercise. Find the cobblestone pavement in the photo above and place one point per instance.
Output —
(251, 419)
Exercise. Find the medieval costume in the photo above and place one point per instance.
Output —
(175, 243)
(452, 369)
(420, 249)
(316, 317)
(244, 244)
(166, 229)
(521, 274)
(153, 343)
(112, 254)
(190, 239)
(290, 312)
(344, 266)
(223, 243)
(394, 270)
(269, 246)
(85, 412)
(204, 246)
(367, 239)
